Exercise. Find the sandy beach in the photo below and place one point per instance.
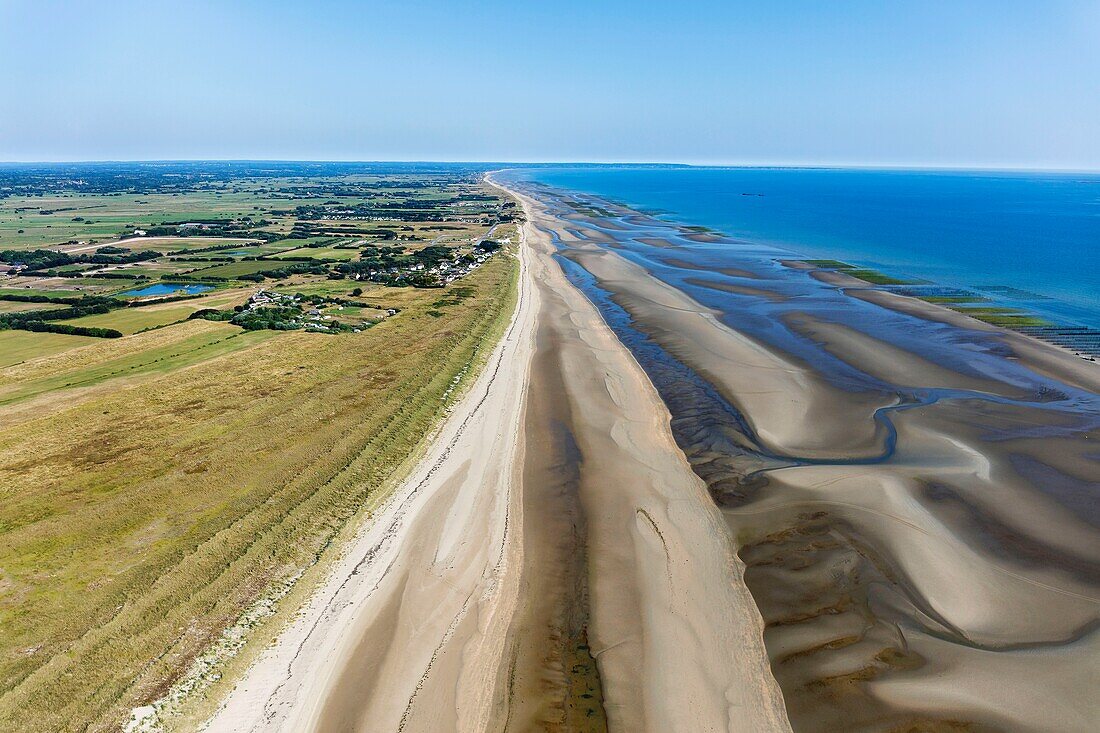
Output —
(553, 563)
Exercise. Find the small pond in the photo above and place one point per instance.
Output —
(168, 289)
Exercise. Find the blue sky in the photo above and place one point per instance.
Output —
(986, 84)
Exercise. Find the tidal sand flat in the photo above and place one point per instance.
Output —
(912, 491)
(671, 625)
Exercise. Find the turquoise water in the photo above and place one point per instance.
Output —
(1033, 232)
(168, 289)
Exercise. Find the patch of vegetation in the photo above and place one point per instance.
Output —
(39, 320)
(189, 494)
(944, 299)
(273, 311)
(1003, 317)
(45, 327)
(861, 273)
(46, 259)
(875, 277)
(830, 264)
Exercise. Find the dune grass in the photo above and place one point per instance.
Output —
(139, 520)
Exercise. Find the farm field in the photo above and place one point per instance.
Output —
(159, 268)
(160, 244)
(27, 290)
(11, 306)
(330, 253)
(71, 286)
(231, 270)
(52, 220)
(18, 346)
(132, 320)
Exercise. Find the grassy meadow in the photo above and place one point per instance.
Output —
(324, 253)
(18, 346)
(157, 485)
(133, 320)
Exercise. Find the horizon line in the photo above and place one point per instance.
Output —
(1008, 168)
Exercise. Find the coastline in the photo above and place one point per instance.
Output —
(430, 622)
(946, 231)
(298, 682)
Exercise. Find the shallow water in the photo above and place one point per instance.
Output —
(1035, 232)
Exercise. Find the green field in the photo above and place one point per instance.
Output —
(146, 355)
(58, 292)
(329, 253)
(132, 320)
(110, 215)
(268, 248)
(16, 306)
(236, 269)
(175, 244)
(17, 346)
(161, 268)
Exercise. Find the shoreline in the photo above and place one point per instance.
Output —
(796, 220)
(296, 683)
(595, 543)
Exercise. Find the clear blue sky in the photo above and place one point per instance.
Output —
(992, 84)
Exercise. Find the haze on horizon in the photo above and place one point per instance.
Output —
(982, 84)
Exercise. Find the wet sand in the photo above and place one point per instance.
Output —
(913, 493)
(671, 624)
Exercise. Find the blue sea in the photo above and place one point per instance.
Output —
(1035, 234)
